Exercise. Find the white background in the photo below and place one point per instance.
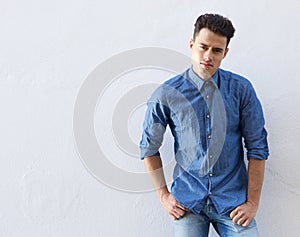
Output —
(47, 49)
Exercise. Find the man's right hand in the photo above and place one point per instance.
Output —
(175, 210)
(154, 167)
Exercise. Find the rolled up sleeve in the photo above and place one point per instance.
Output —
(154, 127)
(252, 124)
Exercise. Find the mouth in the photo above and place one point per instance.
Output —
(206, 65)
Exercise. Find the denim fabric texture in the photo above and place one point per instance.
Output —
(194, 225)
(212, 122)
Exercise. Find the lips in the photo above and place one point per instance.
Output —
(206, 64)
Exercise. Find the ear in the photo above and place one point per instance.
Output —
(191, 43)
(225, 53)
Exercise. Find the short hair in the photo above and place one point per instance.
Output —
(216, 23)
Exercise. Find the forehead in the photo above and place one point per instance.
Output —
(207, 37)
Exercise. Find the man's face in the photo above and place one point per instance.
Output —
(208, 51)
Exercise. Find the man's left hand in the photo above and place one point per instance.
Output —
(243, 214)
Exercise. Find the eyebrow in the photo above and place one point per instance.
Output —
(213, 48)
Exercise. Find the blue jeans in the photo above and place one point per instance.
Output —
(193, 225)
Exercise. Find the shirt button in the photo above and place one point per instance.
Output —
(210, 193)
(209, 136)
(210, 156)
(207, 96)
(210, 174)
(208, 116)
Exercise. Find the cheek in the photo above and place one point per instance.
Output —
(197, 55)
(218, 60)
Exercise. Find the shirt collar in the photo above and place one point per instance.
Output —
(199, 81)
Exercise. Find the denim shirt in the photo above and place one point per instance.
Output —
(211, 122)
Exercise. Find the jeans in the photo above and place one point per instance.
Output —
(194, 225)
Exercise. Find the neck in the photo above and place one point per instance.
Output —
(203, 74)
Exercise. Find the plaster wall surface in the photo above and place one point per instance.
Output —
(48, 48)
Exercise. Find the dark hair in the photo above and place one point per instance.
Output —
(216, 23)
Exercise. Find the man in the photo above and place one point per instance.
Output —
(210, 112)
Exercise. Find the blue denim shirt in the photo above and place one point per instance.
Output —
(211, 122)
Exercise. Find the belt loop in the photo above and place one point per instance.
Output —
(208, 202)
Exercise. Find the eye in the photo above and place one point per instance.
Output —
(218, 51)
(203, 47)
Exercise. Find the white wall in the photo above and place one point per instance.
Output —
(47, 49)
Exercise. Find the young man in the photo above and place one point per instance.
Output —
(209, 112)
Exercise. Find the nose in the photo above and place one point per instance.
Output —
(208, 55)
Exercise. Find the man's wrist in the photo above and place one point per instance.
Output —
(253, 203)
(162, 192)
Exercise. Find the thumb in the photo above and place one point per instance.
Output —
(233, 213)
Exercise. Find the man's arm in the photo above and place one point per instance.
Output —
(244, 213)
(155, 170)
